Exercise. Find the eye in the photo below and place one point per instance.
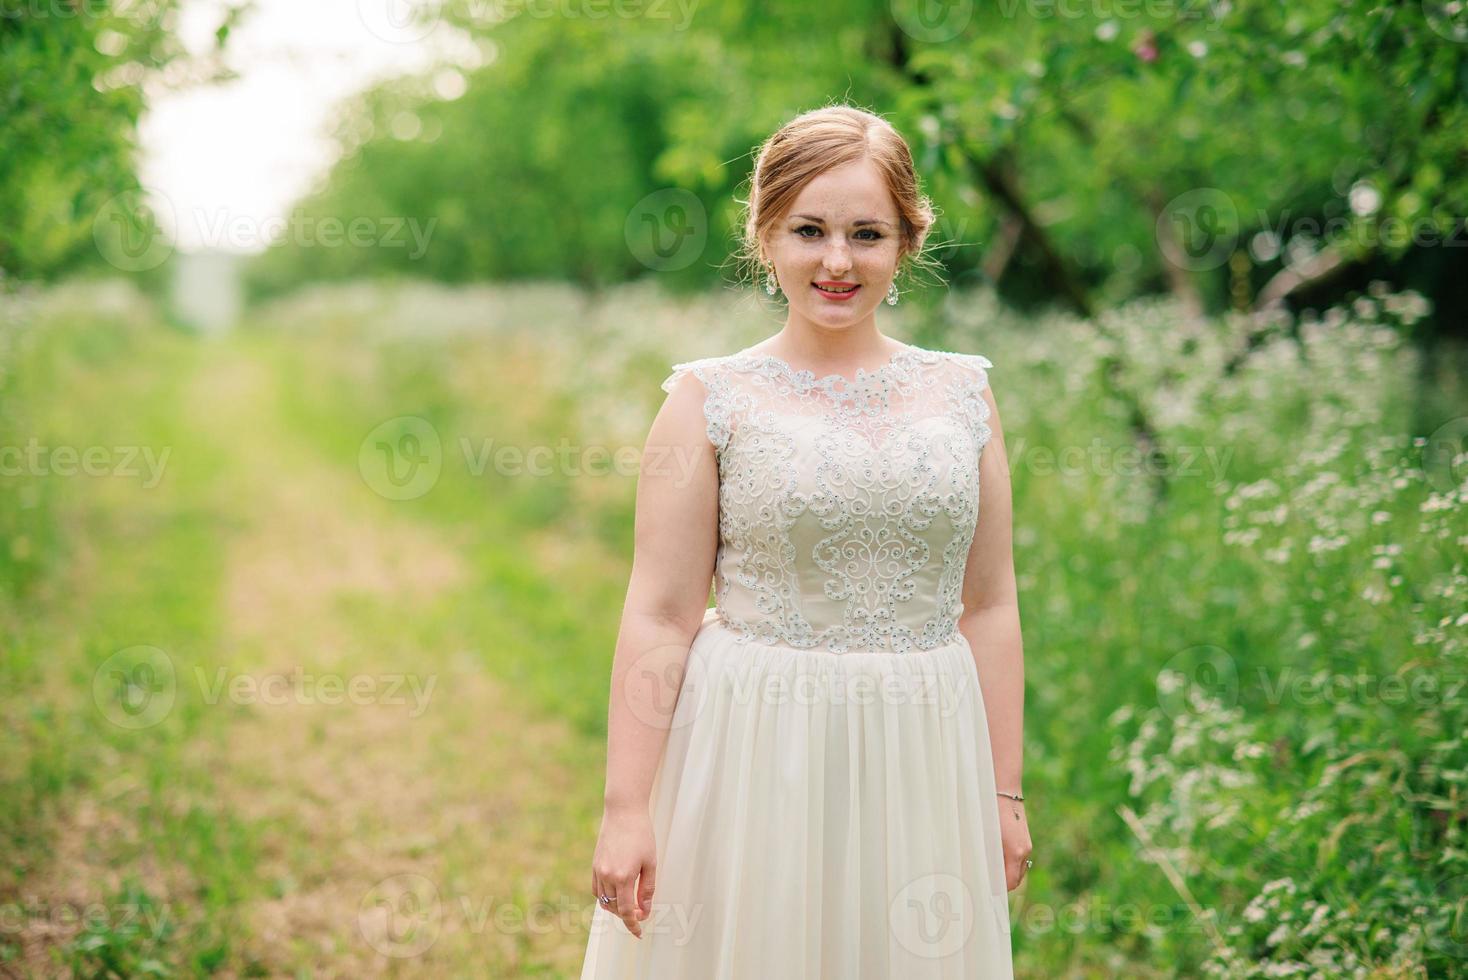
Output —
(876, 235)
(801, 231)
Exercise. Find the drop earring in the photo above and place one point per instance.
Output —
(892, 294)
(770, 284)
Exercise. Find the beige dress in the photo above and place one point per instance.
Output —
(825, 807)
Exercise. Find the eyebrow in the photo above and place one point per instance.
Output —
(858, 221)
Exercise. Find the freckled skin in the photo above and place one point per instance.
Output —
(806, 251)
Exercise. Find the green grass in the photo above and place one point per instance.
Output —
(551, 631)
(1313, 830)
(1122, 577)
(112, 573)
(106, 565)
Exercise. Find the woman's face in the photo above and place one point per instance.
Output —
(841, 231)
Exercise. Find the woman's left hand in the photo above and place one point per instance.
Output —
(1015, 834)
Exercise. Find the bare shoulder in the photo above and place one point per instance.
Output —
(692, 414)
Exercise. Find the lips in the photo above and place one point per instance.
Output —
(837, 290)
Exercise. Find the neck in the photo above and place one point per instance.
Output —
(814, 343)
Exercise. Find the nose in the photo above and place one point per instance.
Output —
(838, 258)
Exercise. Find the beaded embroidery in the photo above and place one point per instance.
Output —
(846, 505)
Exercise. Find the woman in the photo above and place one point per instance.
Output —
(806, 780)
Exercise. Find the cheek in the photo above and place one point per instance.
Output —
(878, 256)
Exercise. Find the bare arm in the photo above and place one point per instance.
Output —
(990, 619)
(676, 541)
(990, 623)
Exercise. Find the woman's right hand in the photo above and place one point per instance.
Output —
(625, 865)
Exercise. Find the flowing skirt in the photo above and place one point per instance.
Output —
(820, 816)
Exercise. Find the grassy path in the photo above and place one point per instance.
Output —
(359, 795)
(402, 827)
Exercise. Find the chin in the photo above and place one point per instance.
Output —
(832, 315)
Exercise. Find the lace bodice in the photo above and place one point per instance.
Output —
(846, 506)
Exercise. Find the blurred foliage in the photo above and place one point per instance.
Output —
(73, 78)
(1222, 155)
(1244, 724)
(1232, 154)
(1245, 642)
(1227, 153)
(92, 560)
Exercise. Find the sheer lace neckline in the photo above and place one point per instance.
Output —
(806, 377)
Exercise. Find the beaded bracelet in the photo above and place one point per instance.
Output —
(1012, 796)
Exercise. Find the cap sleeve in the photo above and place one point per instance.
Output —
(679, 370)
(975, 406)
(976, 362)
(717, 401)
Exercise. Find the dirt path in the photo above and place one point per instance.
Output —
(416, 820)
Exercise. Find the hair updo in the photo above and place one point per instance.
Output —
(820, 140)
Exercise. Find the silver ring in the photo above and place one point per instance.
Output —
(1029, 864)
(607, 899)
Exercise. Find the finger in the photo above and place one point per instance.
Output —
(598, 889)
(604, 886)
(627, 907)
(647, 884)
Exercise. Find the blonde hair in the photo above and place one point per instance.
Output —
(820, 140)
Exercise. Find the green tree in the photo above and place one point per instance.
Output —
(1232, 154)
(72, 80)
